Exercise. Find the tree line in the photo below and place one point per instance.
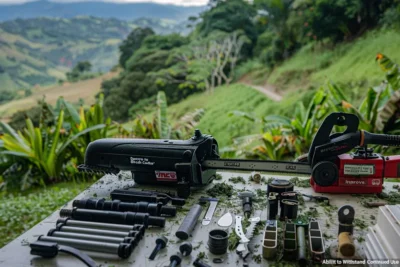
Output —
(227, 34)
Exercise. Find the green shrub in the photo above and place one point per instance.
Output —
(19, 213)
(47, 153)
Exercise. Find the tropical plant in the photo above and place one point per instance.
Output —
(158, 127)
(50, 151)
(46, 148)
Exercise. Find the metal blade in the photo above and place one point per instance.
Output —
(208, 217)
(250, 229)
(258, 165)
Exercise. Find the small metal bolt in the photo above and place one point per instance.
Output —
(199, 263)
(175, 260)
(185, 248)
(161, 243)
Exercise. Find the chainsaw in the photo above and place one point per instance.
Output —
(194, 162)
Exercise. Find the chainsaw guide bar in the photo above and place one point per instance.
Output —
(258, 165)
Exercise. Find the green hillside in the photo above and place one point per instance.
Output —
(218, 120)
(41, 50)
(352, 64)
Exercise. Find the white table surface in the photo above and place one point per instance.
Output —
(17, 252)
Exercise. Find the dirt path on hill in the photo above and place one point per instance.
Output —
(267, 89)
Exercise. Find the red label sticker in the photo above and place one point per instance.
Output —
(166, 176)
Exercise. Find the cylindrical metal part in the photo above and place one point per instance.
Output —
(122, 250)
(88, 231)
(346, 245)
(301, 247)
(155, 209)
(106, 226)
(289, 209)
(288, 195)
(190, 221)
(272, 205)
(97, 238)
(279, 186)
(247, 204)
(218, 241)
(130, 218)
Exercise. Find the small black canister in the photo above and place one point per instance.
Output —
(218, 241)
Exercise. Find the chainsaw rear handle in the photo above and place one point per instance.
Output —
(379, 139)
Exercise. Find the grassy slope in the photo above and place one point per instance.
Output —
(349, 63)
(224, 100)
(72, 92)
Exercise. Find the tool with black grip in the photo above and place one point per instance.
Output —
(194, 162)
(154, 209)
(113, 217)
(51, 249)
(123, 250)
(133, 241)
(133, 195)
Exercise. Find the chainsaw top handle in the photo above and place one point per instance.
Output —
(327, 146)
(324, 133)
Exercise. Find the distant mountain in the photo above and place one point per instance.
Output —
(40, 51)
(123, 11)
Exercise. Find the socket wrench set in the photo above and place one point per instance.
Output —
(113, 227)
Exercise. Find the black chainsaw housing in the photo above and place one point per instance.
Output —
(162, 162)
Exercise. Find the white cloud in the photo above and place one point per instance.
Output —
(175, 2)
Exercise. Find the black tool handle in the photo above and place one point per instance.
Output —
(50, 250)
(129, 218)
(381, 139)
(189, 222)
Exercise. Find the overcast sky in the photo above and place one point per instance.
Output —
(176, 2)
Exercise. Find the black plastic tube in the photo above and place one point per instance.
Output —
(188, 224)
(154, 209)
(130, 218)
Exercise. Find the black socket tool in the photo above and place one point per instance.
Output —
(273, 205)
(279, 186)
(185, 248)
(161, 243)
(288, 195)
(199, 263)
(129, 218)
(154, 209)
(175, 260)
(247, 202)
(132, 195)
(289, 209)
